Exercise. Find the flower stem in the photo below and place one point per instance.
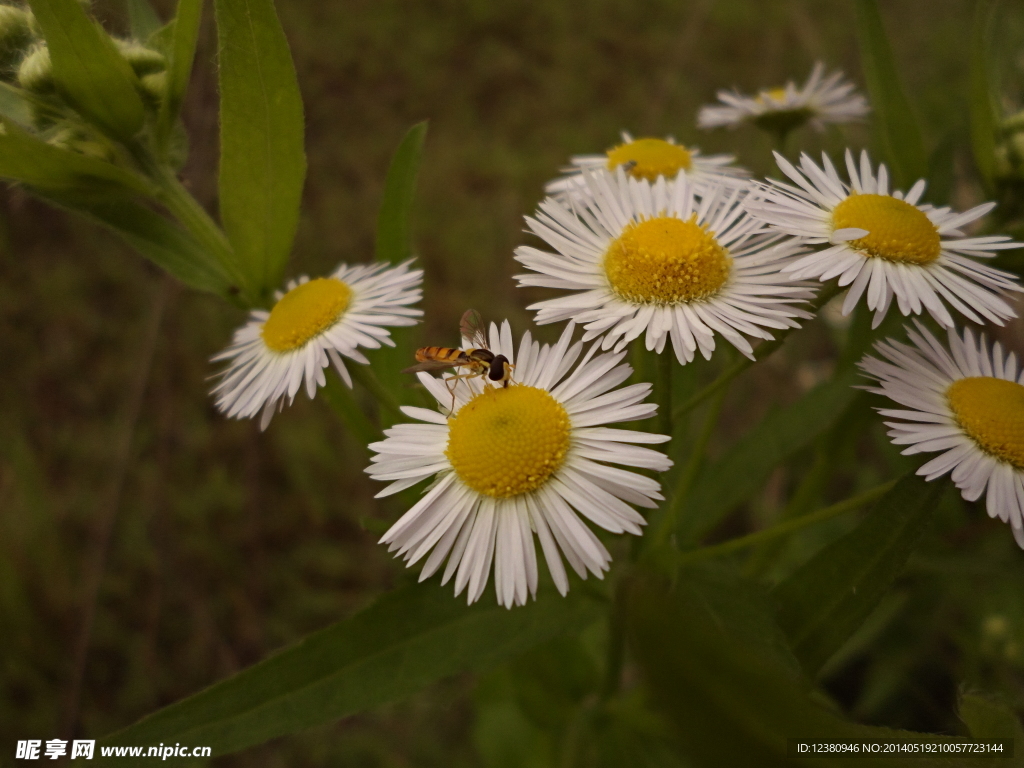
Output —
(364, 375)
(342, 401)
(663, 392)
(735, 545)
(764, 350)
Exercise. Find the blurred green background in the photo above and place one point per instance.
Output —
(223, 543)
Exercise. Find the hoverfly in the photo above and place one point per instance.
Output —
(476, 359)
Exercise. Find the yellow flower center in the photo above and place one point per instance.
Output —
(508, 441)
(666, 260)
(774, 94)
(304, 312)
(650, 158)
(899, 231)
(991, 412)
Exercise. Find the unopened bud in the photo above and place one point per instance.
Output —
(153, 87)
(36, 71)
(1009, 151)
(15, 35)
(143, 60)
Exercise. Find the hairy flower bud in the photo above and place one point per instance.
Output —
(153, 87)
(36, 71)
(1009, 151)
(143, 60)
(15, 36)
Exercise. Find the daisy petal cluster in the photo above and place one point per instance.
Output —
(534, 458)
(886, 244)
(648, 158)
(820, 101)
(674, 259)
(965, 402)
(313, 323)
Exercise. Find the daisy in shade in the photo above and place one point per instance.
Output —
(884, 245)
(313, 323)
(532, 458)
(666, 258)
(966, 403)
(820, 101)
(648, 159)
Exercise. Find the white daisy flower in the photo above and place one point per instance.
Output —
(820, 101)
(648, 159)
(884, 244)
(313, 323)
(532, 458)
(663, 258)
(968, 403)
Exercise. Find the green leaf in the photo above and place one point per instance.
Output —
(394, 238)
(14, 105)
(90, 72)
(825, 601)
(718, 668)
(745, 467)
(405, 641)
(142, 19)
(170, 248)
(30, 160)
(897, 128)
(984, 109)
(262, 163)
(181, 54)
(989, 719)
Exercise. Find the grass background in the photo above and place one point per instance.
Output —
(225, 544)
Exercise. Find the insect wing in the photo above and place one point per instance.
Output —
(472, 328)
(434, 365)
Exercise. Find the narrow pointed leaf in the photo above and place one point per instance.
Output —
(826, 600)
(718, 669)
(14, 105)
(90, 72)
(893, 118)
(745, 467)
(394, 238)
(27, 159)
(181, 54)
(142, 19)
(163, 243)
(407, 640)
(984, 110)
(263, 163)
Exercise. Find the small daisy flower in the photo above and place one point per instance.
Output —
(648, 159)
(512, 462)
(966, 402)
(663, 258)
(822, 100)
(313, 323)
(884, 244)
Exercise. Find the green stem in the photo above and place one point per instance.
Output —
(734, 545)
(364, 375)
(663, 392)
(764, 350)
(694, 461)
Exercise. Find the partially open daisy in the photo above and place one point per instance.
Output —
(513, 462)
(820, 101)
(648, 159)
(667, 258)
(884, 244)
(968, 403)
(314, 323)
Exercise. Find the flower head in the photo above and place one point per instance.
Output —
(511, 462)
(672, 258)
(820, 101)
(886, 245)
(648, 159)
(965, 402)
(314, 323)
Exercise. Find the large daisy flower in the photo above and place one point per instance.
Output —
(313, 323)
(512, 462)
(671, 258)
(820, 101)
(966, 402)
(648, 159)
(884, 244)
